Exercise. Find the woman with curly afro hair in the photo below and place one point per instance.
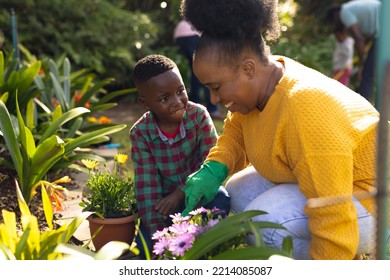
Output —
(296, 144)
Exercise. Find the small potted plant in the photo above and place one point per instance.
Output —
(111, 197)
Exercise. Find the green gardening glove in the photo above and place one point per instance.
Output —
(204, 183)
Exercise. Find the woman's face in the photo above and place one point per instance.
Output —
(229, 85)
(165, 95)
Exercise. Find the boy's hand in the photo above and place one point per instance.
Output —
(204, 184)
(171, 203)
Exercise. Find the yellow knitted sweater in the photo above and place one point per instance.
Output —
(319, 134)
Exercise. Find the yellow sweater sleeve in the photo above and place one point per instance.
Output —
(230, 149)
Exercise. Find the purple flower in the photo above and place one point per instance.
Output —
(199, 230)
(180, 236)
(210, 224)
(217, 211)
(181, 243)
(160, 233)
(162, 245)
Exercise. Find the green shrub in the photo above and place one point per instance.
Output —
(93, 34)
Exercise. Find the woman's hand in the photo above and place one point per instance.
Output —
(170, 204)
(202, 186)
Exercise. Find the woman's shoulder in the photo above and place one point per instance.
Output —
(299, 77)
(302, 85)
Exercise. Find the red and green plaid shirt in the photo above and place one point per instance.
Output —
(162, 165)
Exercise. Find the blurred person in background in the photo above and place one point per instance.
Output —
(187, 38)
(342, 56)
(361, 19)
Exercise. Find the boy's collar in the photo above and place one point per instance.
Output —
(155, 131)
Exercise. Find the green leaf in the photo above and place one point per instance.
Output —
(6, 253)
(57, 113)
(45, 93)
(30, 123)
(8, 230)
(73, 225)
(114, 94)
(59, 92)
(12, 66)
(25, 80)
(46, 155)
(22, 245)
(74, 252)
(66, 76)
(95, 89)
(112, 250)
(51, 147)
(47, 208)
(226, 229)
(54, 69)
(29, 143)
(237, 219)
(42, 106)
(85, 139)
(106, 106)
(69, 162)
(69, 115)
(4, 97)
(22, 131)
(74, 128)
(250, 253)
(22, 203)
(287, 245)
(213, 238)
(10, 138)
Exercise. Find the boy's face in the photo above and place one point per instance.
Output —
(165, 95)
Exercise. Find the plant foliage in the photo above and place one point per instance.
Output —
(204, 234)
(109, 193)
(29, 243)
(97, 35)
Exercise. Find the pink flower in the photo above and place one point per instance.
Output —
(184, 227)
(181, 243)
(175, 240)
(177, 218)
(198, 211)
(210, 224)
(162, 245)
(160, 233)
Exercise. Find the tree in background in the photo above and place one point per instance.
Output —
(306, 36)
(93, 34)
(109, 36)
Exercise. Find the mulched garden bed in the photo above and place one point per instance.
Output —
(9, 201)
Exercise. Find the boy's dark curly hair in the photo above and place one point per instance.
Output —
(151, 66)
(233, 25)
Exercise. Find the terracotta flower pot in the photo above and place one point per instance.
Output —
(114, 229)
